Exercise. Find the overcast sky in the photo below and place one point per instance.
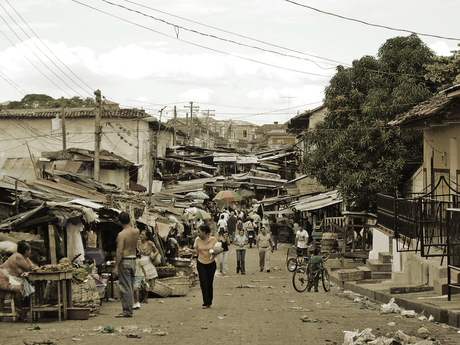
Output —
(255, 60)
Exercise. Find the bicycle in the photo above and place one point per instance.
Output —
(300, 278)
(301, 259)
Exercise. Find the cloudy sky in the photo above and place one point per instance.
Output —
(255, 60)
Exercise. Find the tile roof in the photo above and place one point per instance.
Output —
(71, 113)
(438, 110)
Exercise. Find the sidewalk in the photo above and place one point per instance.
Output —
(407, 297)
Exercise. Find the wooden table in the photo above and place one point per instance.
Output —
(64, 292)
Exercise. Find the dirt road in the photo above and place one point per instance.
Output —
(257, 308)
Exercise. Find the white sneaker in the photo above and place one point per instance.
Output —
(137, 305)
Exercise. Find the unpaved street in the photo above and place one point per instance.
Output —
(258, 308)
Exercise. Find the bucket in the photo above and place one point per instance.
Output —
(78, 313)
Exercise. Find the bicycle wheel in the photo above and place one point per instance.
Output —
(325, 279)
(300, 279)
(292, 264)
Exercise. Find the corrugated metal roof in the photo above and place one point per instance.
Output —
(317, 202)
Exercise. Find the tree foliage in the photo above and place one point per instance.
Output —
(353, 149)
(40, 101)
(445, 69)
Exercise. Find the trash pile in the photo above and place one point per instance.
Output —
(392, 307)
(399, 338)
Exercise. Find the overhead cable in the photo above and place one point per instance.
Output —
(370, 24)
(201, 46)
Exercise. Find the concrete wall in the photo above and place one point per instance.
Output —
(408, 268)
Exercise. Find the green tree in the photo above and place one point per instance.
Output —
(445, 69)
(353, 149)
(37, 101)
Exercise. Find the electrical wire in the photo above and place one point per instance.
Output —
(90, 88)
(27, 46)
(202, 46)
(12, 83)
(370, 24)
(238, 35)
(33, 64)
(177, 27)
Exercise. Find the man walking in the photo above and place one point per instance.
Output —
(125, 264)
(274, 229)
(265, 246)
(231, 225)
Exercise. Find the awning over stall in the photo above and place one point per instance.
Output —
(316, 202)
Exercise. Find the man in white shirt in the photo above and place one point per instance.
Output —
(301, 242)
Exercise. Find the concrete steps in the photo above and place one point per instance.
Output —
(380, 268)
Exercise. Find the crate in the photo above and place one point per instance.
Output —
(350, 275)
(78, 313)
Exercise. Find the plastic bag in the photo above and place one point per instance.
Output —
(26, 288)
(391, 307)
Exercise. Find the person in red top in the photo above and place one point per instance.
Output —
(206, 264)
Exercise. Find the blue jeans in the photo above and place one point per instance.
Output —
(223, 262)
(206, 275)
(275, 242)
(240, 256)
(126, 278)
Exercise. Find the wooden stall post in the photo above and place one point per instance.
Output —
(52, 242)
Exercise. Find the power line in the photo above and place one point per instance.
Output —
(50, 52)
(29, 59)
(233, 33)
(370, 24)
(177, 27)
(201, 46)
(12, 83)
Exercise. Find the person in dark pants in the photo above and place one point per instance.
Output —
(274, 229)
(125, 264)
(206, 264)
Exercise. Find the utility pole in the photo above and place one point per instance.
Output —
(289, 104)
(208, 143)
(97, 135)
(64, 140)
(174, 127)
(153, 162)
(190, 125)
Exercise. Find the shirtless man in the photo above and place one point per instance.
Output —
(125, 264)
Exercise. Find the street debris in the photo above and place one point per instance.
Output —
(108, 329)
(33, 327)
(305, 318)
(253, 287)
(391, 307)
(400, 338)
(132, 335)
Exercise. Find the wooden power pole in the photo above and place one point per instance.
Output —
(97, 135)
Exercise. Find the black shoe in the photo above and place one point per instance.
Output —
(316, 290)
(261, 270)
(268, 271)
(237, 270)
(308, 290)
(243, 273)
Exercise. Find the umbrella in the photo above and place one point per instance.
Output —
(197, 195)
(199, 214)
(228, 196)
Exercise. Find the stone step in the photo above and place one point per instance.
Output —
(385, 257)
(381, 275)
(440, 287)
(377, 266)
(367, 272)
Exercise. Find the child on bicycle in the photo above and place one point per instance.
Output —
(314, 266)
